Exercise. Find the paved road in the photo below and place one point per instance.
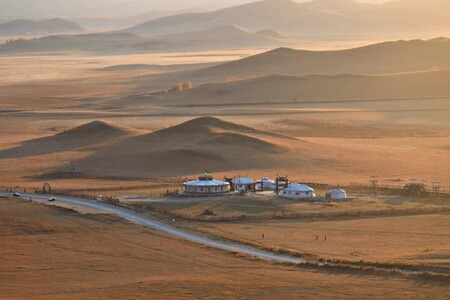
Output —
(152, 223)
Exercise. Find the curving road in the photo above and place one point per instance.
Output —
(152, 223)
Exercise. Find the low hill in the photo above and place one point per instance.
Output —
(78, 138)
(97, 129)
(281, 88)
(29, 27)
(186, 148)
(82, 42)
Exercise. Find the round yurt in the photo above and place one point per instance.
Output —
(206, 185)
(266, 184)
(298, 191)
(336, 194)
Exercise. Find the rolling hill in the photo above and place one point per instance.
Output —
(281, 88)
(29, 27)
(378, 59)
(82, 137)
(186, 148)
(382, 58)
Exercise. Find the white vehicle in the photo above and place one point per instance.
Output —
(51, 199)
(16, 194)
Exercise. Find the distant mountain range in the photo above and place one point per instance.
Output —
(102, 8)
(224, 37)
(29, 27)
(318, 19)
(105, 23)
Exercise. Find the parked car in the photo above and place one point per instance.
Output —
(51, 199)
(16, 194)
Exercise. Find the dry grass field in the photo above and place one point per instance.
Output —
(48, 252)
(333, 142)
(269, 206)
(114, 125)
(375, 229)
(412, 240)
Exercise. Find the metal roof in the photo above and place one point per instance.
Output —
(243, 180)
(206, 183)
(297, 187)
(336, 190)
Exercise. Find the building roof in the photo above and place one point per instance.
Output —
(267, 179)
(297, 187)
(243, 180)
(336, 191)
(206, 183)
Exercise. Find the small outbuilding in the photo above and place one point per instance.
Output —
(244, 184)
(298, 191)
(206, 185)
(336, 194)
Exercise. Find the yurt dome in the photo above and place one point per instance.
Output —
(206, 185)
(299, 191)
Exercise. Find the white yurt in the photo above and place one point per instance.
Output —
(265, 183)
(244, 184)
(206, 185)
(298, 191)
(336, 194)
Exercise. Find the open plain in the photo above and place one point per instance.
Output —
(49, 252)
(133, 113)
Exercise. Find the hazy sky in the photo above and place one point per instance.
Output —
(166, 4)
(123, 7)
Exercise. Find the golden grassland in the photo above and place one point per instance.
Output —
(56, 253)
(49, 252)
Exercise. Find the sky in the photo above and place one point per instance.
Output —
(116, 7)
(208, 4)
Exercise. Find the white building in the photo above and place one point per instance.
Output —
(244, 184)
(336, 194)
(267, 184)
(206, 185)
(298, 191)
